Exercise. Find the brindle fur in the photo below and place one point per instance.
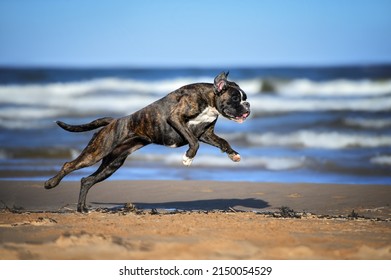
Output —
(164, 122)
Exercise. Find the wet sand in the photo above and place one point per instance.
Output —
(195, 220)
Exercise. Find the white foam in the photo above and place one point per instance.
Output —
(120, 95)
(88, 86)
(221, 160)
(12, 93)
(27, 113)
(381, 160)
(282, 104)
(368, 123)
(113, 104)
(22, 124)
(338, 87)
(276, 163)
(326, 140)
(26, 94)
(250, 86)
(307, 87)
(269, 163)
(25, 107)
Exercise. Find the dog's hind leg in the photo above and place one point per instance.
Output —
(101, 144)
(110, 163)
(86, 158)
(107, 168)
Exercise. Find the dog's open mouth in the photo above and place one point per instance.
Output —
(239, 119)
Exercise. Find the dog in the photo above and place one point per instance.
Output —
(183, 117)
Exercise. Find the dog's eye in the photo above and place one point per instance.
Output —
(235, 98)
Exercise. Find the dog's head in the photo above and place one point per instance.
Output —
(230, 99)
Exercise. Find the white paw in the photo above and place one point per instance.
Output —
(235, 157)
(186, 160)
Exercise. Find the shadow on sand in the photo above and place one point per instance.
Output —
(206, 205)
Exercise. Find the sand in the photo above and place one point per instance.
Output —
(195, 220)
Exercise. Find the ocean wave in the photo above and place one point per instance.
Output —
(42, 112)
(111, 95)
(278, 104)
(169, 159)
(48, 107)
(290, 87)
(119, 96)
(381, 160)
(339, 87)
(368, 123)
(38, 153)
(10, 92)
(29, 113)
(72, 98)
(24, 124)
(269, 163)
(325, 140)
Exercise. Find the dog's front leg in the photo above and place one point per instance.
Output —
(180, 126)
(209, 137)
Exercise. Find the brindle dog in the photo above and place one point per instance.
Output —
(183, 117)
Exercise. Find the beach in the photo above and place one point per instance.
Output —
(313, 181)
(158, 219)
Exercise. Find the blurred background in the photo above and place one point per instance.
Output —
(317, 75)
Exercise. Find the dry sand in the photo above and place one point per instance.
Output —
(214, 220)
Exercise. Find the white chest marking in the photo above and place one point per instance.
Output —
(209, 115)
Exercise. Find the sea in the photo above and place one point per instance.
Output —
(318, 125)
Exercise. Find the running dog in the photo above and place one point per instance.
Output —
(183, 117)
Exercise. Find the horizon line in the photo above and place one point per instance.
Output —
(189, 66)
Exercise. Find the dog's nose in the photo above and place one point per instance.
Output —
(246, 104)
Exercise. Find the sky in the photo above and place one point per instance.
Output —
(202, 33)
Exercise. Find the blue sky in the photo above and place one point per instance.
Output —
(194, 33)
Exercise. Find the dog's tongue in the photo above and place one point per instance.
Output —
(242, 118)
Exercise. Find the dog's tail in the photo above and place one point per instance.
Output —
(85, 127)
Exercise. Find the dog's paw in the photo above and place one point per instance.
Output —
(186, 160)
(235, 157)
(51, 183)
(83, 210)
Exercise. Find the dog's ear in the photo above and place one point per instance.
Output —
(220, 82)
